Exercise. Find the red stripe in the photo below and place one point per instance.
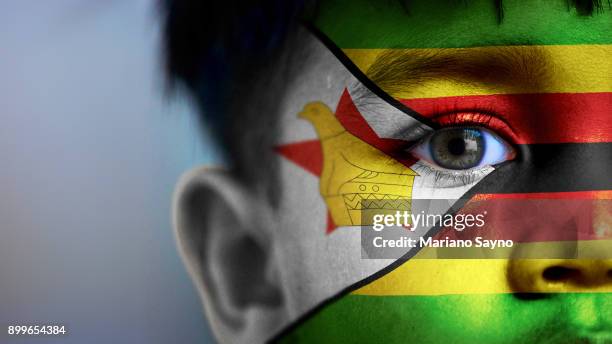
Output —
(524, 217)
(535, 118)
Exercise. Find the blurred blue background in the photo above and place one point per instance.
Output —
(90, 150)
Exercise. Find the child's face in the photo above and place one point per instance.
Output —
(438, 100)
(539, 83)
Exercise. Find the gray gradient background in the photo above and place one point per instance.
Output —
(89, 153)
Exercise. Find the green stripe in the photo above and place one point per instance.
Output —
(454, 24)
(498, 318)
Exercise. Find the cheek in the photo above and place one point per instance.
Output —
(299, 225)
(466, 318)
(492, 318)
(300, 209)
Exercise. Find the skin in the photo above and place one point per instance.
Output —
(461, 319)
(254, 287)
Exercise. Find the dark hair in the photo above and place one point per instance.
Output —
(228, 54)
(210, 45)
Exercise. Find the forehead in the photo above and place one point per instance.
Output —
(454, 24)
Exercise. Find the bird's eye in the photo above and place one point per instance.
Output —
(463, 148)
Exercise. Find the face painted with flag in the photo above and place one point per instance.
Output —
(498, 108)
(449, 101)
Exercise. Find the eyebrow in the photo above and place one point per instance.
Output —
(398, 70)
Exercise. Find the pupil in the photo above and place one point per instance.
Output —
(456, 146)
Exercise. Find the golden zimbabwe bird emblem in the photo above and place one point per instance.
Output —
(355, 175)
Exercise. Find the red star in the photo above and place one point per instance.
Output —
(309, 155)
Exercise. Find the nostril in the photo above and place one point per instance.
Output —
(560, 274)
(609, 273)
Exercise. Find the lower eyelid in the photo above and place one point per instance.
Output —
(439, 178)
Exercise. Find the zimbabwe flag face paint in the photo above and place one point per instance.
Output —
(537, 86)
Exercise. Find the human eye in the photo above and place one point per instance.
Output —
(463, 150)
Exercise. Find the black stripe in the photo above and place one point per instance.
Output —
(561, 167)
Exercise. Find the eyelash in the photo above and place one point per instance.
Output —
(443, 178)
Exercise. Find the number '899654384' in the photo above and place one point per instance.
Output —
(35, 330)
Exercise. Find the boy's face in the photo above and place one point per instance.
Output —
(513, 112)
(539, 79)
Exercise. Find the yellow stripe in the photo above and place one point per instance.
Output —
(423, 276)
(569, 69)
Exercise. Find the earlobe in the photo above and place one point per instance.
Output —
(223, 234)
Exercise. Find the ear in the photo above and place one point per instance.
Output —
(224, 236)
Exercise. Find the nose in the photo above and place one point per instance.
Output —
(560, 275)
(584, 265)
